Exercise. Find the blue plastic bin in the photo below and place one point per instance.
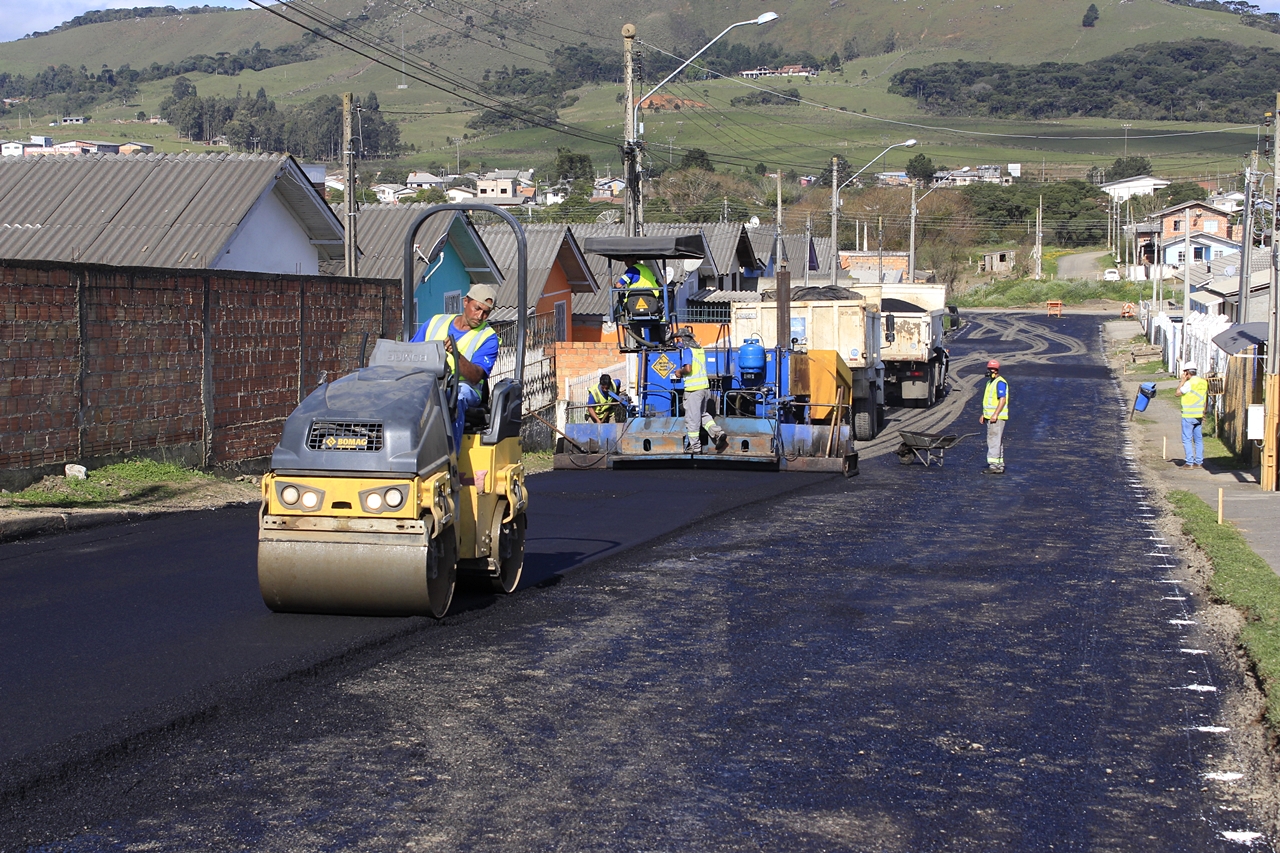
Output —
(1146, 391)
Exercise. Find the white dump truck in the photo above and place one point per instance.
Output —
(849, 325)
(915, 360)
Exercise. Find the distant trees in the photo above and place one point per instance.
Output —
(696, 158)
(921, 168)
(312, 131)
(1128, 167)
(1199, 79)
(1090, 16)
(1180, 191)
(572, 167)
(1074, 211)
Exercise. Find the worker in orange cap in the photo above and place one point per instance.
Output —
(995, 414)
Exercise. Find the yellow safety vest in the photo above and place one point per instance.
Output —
(601, 400)
(697, 380)
(1194, 398)
(990, 400)
(438, 330)
(648, 281)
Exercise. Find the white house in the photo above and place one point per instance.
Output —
(386, 193)
(1127, 188)
(1205, 248)
(460, 194)
(425, 181)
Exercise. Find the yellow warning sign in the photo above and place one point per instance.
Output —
(663, 366)
(641, 305)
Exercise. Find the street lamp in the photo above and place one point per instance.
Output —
(835, 199)
(631, 149)
(911, 254)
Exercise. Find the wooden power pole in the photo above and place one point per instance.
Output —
(1271, 388)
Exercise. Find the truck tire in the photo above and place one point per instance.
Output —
(864, 428)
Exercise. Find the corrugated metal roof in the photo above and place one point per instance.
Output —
(148, 210)
(380, 233)
(545, 244)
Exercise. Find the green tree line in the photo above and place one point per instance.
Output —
(312, 131)
(1195, 80)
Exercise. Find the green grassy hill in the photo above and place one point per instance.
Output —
(853, 116)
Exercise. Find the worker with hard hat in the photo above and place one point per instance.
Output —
(607, 401)
(1193, 393)
(470, 345)
(641, 302)
(697, 395)
(995, 414)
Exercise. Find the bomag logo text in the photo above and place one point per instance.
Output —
(335, 442)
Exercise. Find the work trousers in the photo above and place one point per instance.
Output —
(995, 443)
(1193, 440)
(697, 417)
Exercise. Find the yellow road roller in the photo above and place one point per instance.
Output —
(371, 506)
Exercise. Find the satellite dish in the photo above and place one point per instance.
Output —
(608, 217)
(691, 264)
(671, 274)
(753, 222)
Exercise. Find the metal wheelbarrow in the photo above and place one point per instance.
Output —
(928, 447)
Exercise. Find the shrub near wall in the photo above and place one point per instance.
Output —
(99, 363)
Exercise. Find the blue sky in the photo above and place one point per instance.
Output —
(18, 18)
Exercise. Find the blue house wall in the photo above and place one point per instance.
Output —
(445, 275)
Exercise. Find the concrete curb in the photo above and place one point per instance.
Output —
(47, 523)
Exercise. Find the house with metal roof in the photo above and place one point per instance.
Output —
(449, 254)
(557, 269)
(251, 212)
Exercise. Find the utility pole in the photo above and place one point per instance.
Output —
(835, 193)
(630, 217)
(1271, 390)
(778, 263)
(808, 241)
(1039, 236)
(911, 248)
(1246, 238)
(350, 247)
(880, 251)
(1186, 283)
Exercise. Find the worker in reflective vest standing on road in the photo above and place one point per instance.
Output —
(995, 414)
(471, 346)
(697, 397)
(1193, 393)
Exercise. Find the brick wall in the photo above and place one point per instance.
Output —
(100, 363)
(575, 359)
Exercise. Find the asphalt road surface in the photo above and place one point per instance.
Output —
(912, 660)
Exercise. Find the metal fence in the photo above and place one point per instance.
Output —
(539, 374)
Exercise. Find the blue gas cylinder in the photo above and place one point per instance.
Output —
(751, 356)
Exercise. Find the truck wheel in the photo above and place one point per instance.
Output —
(442, 571)
(506, 559)
(863, 426)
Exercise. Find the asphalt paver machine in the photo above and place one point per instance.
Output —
(782, 408)
(371, 505)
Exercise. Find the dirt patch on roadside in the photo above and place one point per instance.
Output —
(1250, 747)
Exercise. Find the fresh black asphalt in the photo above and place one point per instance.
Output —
(913, 660)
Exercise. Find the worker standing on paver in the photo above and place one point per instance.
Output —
(607, 401)
(995, 414)
(1193, 393)
(697, 396)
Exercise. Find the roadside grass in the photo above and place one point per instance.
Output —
(133, 482)
(1244, 581)
(1019, 292)
(537, 461)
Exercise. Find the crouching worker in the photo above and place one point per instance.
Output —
(607, 401)
(697, 396)
(471, 345)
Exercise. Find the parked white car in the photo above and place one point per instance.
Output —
(1112, 274)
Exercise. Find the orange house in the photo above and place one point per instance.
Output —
(557, 269)
(1204, 218)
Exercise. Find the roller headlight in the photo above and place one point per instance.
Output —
(394, 498)
(310, 500)
(374, 501)
(289, 494)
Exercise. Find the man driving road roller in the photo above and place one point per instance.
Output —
(471, 345)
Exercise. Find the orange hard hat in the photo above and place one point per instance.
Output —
(993, 365)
